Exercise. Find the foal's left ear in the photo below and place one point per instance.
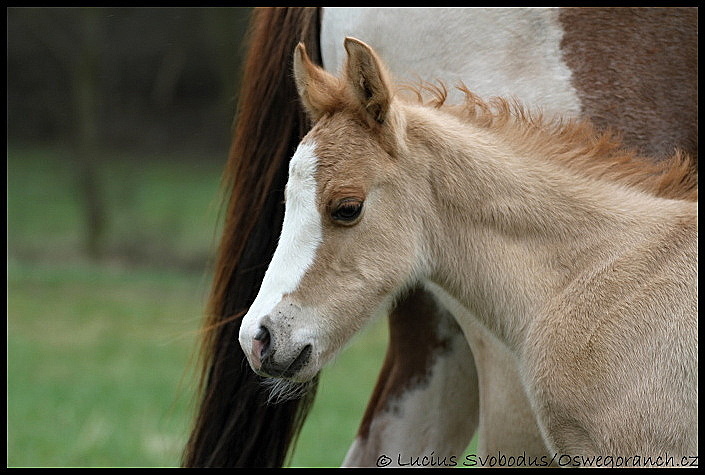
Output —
(368, 79)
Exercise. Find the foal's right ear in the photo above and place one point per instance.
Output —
(316, 87)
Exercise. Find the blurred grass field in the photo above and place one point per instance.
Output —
(100, 368)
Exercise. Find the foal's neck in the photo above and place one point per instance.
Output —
(508, 232)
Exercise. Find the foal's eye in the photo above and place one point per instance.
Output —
(347, 210)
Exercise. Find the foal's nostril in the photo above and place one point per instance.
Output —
(262, 343)
(263, 354)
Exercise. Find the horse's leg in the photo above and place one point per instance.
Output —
(425, 402)
(434, 393)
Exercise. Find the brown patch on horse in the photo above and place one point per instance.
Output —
(653, 94)
(234, 426)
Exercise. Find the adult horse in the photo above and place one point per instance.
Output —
(646, 88)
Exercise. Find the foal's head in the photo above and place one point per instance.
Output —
(351, 240)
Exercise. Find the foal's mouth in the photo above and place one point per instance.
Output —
(271, 369)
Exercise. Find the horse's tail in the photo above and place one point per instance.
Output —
(234, 425)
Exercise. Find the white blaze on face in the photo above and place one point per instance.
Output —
(301, 234)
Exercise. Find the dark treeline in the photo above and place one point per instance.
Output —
(99, 83)
(135, 78)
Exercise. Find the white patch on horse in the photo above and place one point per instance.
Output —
(507, 52)
(300, 237)
(402, 428)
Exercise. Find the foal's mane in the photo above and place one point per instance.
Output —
(578, 144)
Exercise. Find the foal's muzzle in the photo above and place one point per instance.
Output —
(265, 361)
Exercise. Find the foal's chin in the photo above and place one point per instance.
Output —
(282, 390)
(296, 386)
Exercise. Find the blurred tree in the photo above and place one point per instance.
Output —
(166, 77)
(85, 82)
(136, 79)
(219, 25)
(73, 38)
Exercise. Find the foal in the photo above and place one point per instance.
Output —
(591, 284)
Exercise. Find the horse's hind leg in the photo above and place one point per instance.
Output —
(425, 402)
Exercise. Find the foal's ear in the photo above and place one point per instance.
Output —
(316, 87)
(368, 79)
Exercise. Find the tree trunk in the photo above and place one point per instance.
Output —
(85, 95)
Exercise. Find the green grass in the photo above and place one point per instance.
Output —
(97, 362)
(99, 368)
(100, 354)
(159, 210)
